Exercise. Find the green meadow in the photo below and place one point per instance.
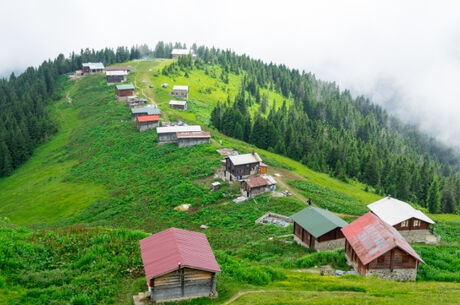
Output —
(73, 214)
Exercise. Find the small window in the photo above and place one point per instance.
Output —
(404, 224)
(416, 223)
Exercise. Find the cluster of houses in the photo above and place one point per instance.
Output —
(179, 92)
(376, 244)
(180, 264)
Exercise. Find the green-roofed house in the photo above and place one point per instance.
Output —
(318, 229)
(124, 91)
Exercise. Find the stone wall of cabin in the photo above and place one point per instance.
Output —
(183, 284)
(330, 244)
(416, 236)
(403, 275)
(167, 137)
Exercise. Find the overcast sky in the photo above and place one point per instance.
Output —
(404, 56)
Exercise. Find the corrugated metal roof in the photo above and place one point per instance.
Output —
(148, 118)
(245, 159)
(370, 237)
(125, 87)
(269, 179)
(318, 221)
(118, 68)
(149, 109)
(180, 87)
(193, 134)
(394, 211)
(179, 103)
(187, 128)
(116, 72)
(163, 252)
(93, 65)
(180, 52)
(256, 181)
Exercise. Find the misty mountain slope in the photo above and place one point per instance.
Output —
(90, 254)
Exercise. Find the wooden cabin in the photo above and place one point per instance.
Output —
(318, 229)
(126, 69)
(242, 166)
(257, 185)
(192, 138)
(179, 265)
(168, 134)
(145, 122)
(176, 53)
(116, 76)
(411, 223)
(146, 110)
(375, 248)
(124, 91)
(181, 105)
(180, 92)
(92, 67)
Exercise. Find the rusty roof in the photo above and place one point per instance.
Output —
(164, 251)
(148, 118)
(256, 181)
(193, 134)
(118, 68)
(370, 237)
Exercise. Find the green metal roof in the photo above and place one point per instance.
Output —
(125, 87)
(317, 221)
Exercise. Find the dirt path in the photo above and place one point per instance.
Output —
(288, 175)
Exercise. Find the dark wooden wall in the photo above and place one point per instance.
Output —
(124, 92)
(183, 283)
(423, 225)
(304, 236)
(331, 235)
(240, 170)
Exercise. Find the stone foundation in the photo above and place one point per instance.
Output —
(402, 275)
(325, 245)
(418, 236)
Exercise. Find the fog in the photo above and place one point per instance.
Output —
(403, 56)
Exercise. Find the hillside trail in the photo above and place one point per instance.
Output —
(144, 81)
(242, 293)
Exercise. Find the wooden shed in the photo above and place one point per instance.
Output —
(168, 134)
(179, 265)
(257, 185)
(318, 229)
(92, 67)
(145, 122)
(115, 76)
(180, 91)
(411, 223)
(375, 248)
(242, 166)
(145, 110)
(176, 53)
(192, 138)
(181, 105)
(124, 91)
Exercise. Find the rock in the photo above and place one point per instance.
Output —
(204, 227)
(326, 270)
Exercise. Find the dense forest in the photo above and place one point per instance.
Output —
(330, 131)
(318, 124)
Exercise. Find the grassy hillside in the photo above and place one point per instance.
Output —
(93, 190)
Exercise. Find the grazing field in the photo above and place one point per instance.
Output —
(76, 210)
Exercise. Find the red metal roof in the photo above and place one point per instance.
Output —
(371, 237)
(118, 68)
(148, 118)
(256, 182)
(163, 252)
(193, 134)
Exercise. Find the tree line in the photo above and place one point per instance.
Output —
(332, 132)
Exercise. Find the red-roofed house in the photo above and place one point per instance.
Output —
(179, 265)
(145, 122)
(375, 248)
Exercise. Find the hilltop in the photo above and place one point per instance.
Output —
(77, 208)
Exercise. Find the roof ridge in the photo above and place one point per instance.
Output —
(176, 243)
